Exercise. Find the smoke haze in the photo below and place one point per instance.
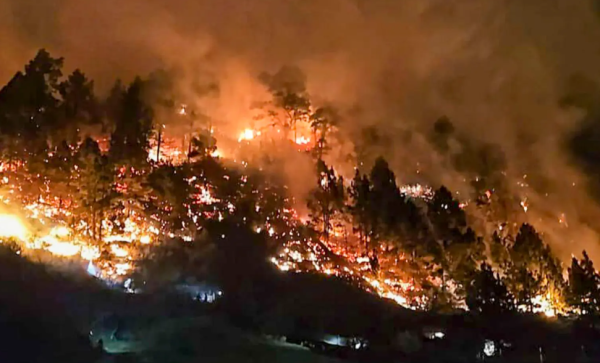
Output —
(497, 68)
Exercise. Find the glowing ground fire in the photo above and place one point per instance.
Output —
(12, 227)
(42, 225)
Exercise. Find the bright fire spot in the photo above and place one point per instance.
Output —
(247, 134)
(12, 227)
(146, 239)
(563, 220)
(302, 140)
(90, 253)
(525, 205)
(118, 250)
(183, 110)
(61, 232)
(122, 268)
(488, 194)
(417, 191)
(65, 249)
(216, 154)
(542, 304)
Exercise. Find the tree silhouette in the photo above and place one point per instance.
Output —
(28, 105)
(171, 198)
(322, 120)
(78, 108)
(94, 185)
(532, 269)
(288, 88)
(359, 207)
(583, 287)
(487, 294)
(327, 198)
(384, 198)
(133, 124)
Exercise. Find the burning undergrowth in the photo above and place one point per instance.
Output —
(104, 181)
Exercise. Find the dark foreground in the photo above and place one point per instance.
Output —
(46, 316)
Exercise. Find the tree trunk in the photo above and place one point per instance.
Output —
(158, 146)
(189, 149)
(326, 226)
(443, 280)
(93, 224)
(294, 128)
(100, 226)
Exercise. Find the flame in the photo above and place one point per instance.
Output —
(60, 231)
(525, 205)
(246, 135)
(543, 304)
(49, 214)
(118, 251)
(301, 140)
(182, 110)
(117, 259)
(65, 249)
(12, 227)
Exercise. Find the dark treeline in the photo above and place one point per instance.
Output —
(493, 276)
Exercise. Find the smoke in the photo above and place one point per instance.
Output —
(497, 69)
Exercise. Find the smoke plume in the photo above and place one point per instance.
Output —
(497, 69)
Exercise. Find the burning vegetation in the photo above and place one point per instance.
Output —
(116, 182)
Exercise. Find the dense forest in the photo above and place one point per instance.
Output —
(74, 159)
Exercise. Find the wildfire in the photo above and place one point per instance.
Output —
(543, 304)
(46, 222)
(417, 191)
(246, 135)
(525, 205)
(301, 140)
(12, 227)
(63, 249)
(183, 110)
(216, 154)
(112, 252)
(297, 256)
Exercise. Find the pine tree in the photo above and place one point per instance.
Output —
(94, 185)
(327, 198)
(78, 108)
(533, 269)
(446, 244)
(487, 293)
(133, 124)
(384, 199)
(28, 105)
(322, 120)
(202, 146)
(359, 192)
(288, 88)
(583, 287)
(525, 285)
(61, 171)
(171, 198)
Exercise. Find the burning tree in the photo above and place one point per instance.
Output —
(487, 294)
(583, 291)
(110, 193)
(328, 199)
(288, 88)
